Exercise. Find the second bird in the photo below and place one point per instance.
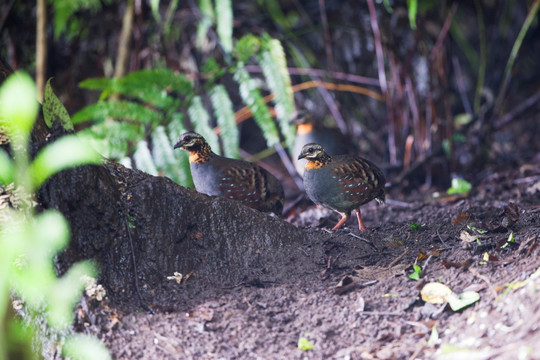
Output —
(233, 179)
(342, 183)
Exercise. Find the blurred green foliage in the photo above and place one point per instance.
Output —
(140, 115)
(29, 241)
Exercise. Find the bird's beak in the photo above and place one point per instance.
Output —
(179, 144)
(301, 156)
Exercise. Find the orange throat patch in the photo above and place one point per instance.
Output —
(304, 129)
(197, 157)
(314, 164)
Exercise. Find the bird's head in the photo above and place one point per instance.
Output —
(312, 152)
(190, 141)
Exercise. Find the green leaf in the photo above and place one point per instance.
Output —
(84, 347)
(461, 301)
(246, 47)
(165, 159)
(175, 128)
(64, 9)
(434, 337)
(117, 109)
(413, 9)
(387, 6)
(223, 110)
(66, 152)
(152, 86)
(415, 226)
(154, 5)
(18, 104)
(274, 66)
(113, 139)
(143, 159)
(66, 292)
(39, 242)
(253, 99)
(459, 186)
(54, 110)
(304, 344)
(7, 168)
(225, 24)
(201, 122)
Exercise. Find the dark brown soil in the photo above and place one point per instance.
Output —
(295, 291)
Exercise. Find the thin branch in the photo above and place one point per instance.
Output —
(327, 38)
(378, 46)
(513, 54)
(318, 72)
(123, 41)
(41, 48)
(519, 109)
(444, 32)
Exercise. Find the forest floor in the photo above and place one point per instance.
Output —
(361, 302)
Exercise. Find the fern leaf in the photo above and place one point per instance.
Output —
(151, 86)
(154, 5)
(175, 129)
(207, 11)
(201, 122)
(53, 109)
(274, 65)
(223, 110)
(143, 159)
(253, 99)
(163, 154)
(117, 109)
(112, 138)
(225, 23)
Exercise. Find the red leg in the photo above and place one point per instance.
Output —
(360, 223)
(340, 222)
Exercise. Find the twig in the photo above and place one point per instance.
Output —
(41, 48)
(518, 110)
(461, 86)
(364, 240)
(123, 41)
(513, 54)
(353, 285)
(378, 46)
(289, 166)
(381, 313)
(394, 262)
(327, 38)
(444, 32)
(321, 73)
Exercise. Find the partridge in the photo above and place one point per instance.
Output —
(342, 183)
(309, 130)
(233, 179)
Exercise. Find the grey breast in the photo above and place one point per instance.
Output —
(206, 177)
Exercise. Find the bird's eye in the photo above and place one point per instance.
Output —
(187, 138)
(310, 150)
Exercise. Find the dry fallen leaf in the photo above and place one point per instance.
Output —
(435, 293)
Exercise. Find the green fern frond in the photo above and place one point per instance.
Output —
(225, 24)
(201, 122)
(274, 65)
(253, 99)
(143, 159)
(112, 139)
(164, 157)
(120, 109)
(151, 86)
(223, 110)
(175, 129)
(207, 11)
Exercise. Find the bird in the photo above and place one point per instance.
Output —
(341, 183)
(310, 130)
(231, 178)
